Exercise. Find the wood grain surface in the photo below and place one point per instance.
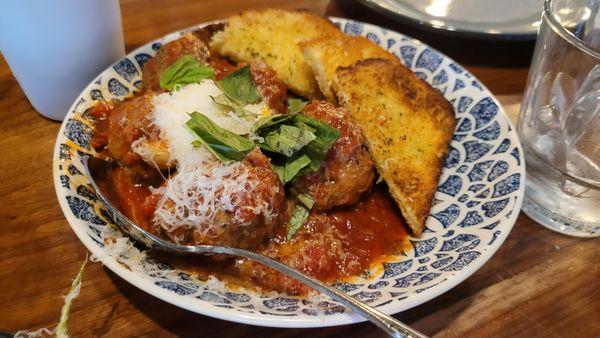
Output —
(539, 283)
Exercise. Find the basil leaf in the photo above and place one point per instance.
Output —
(268, 123)
(295, 136)
(184, 71)
(280, 171)
(295, 105)
(238, 87)
(290, 168)
(238, 110)
(224, 144)
(306, 200)
(299, 216)
(326, 137)
(287, 140)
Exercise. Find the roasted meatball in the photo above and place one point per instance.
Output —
(188, 44)
(130, 137)
(348, 170)
(272, 89)
(236, 204)
(127, 123)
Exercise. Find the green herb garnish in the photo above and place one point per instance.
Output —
(326, 137)
(224, 144)
(300, 213)
(292, 139)
(306, 200)
(287, 140)
(288, 170)
(299, 216)
(184, 71)
(296, 105)
(239, 88)
(268, 123)
(238, 110)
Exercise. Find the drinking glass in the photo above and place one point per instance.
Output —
(56, 47)
(559, 122)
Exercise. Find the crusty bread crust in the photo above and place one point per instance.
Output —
(326, 54)
(407, 126)
(273, 36)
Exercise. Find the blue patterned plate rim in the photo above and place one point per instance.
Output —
(396, 304)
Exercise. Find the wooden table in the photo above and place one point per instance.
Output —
(539, 283)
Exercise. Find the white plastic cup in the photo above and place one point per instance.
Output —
(56, 47)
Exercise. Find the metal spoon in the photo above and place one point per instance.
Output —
(387, 323)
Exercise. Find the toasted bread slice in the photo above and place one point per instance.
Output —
(407, 126)
(326, 54)
(273, 36)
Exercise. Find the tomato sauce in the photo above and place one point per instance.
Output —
(374, 227)
(334, 245)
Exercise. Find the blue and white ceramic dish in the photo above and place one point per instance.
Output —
(478, 199)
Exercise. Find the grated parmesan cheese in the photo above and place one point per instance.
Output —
(197, 193)
(147, 153)
(203, 188)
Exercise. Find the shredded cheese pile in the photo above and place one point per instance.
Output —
(196, 195)
(203, 187)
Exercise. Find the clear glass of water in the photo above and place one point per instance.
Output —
(559, 123)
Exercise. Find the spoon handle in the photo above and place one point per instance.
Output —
(390, 325)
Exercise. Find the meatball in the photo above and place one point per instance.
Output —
(188, 44)
(129, 136)
(236, 204)
(127, 123)
(272, 89)
(348, 170)
(126, 133)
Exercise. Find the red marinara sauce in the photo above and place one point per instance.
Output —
(333, 246)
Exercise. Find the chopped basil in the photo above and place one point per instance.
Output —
(280, 171)
(306, 200)
(294, 136)
(239, 88)
(184, 71)
(290, 168)
(268, 123)
(295, 105)
(287, 140)
(326, 137)
(237, 109)
(299, 216)
(224, 144)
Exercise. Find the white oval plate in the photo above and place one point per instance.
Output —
(478, 199)
(507, 19)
